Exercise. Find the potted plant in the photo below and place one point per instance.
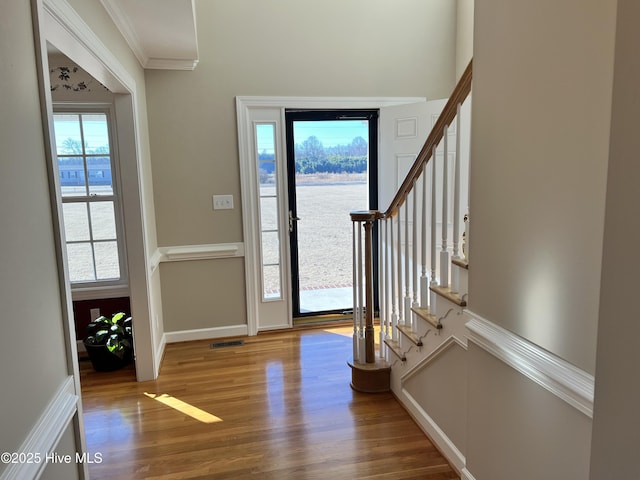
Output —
(109, 342)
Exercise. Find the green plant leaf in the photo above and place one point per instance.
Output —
(116, 346)
(101, 337)
(92, 327)
(117, 330)
(117, 317)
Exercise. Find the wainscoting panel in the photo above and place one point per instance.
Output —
(516, 428)
(564, 380)
(440, 386)
(45, 435)
(435, 393)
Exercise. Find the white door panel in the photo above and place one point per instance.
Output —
(403, 131)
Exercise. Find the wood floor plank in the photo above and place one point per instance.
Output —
(285, 411)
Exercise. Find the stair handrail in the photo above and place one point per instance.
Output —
(459, 95)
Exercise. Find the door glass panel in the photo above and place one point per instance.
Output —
(270, 248)
(331, 180)
(269, 232)
(271, 282)
(269, 213)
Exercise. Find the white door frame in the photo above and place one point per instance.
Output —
(245, 105)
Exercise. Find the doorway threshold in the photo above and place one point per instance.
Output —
(329, 318)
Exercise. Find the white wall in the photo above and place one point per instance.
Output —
(540, 136)
(32, 353)
(616, 418)
(540, 139)
(284, 47)
(464, 35)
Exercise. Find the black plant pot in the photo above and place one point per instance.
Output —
(105, 361)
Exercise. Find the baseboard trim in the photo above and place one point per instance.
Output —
(160, 353)
(566, 381)
(45, 435)
(466, 475)
(205, 333)
(433, 431)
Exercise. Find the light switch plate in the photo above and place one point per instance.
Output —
(223, 202)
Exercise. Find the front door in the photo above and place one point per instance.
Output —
(332, 170)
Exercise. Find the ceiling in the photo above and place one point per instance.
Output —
(161, 33)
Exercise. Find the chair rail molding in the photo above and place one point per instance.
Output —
(45, 435)
(566, 381)
(181, 253)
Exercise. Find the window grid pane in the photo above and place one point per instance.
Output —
(107, 262)
(268, 206)
(100, 176)
(103, 220)
(76, 222)
(81, 266)
(88, 199)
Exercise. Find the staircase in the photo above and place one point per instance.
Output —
(422, 284)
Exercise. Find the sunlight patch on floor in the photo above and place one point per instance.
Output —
(184, 407)
(348, 332)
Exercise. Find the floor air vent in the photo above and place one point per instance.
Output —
(233, 343)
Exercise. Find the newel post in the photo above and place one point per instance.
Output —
(368, 373)
(366, 219)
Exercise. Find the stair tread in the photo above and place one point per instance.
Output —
(460, 262)
(395, 348)
(449, 295)
(410, 334)
(425, 314)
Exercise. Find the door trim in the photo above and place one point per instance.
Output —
(56, 22)
(248, 176)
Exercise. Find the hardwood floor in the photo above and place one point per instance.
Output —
(279, 407)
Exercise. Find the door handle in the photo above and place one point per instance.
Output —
(291, 220)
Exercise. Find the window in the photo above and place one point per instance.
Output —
(90, 197)
(269, 233)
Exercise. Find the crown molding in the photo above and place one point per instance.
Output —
(130, 27)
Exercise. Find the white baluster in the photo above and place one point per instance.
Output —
(394, 295)
(455, 277)
(414, 259)
(361, 338)
(456, 187)
(382, 293)
(407, 266)
(444, 253)
(424, 278)
(434, 226)
(356, 335)
(400, 312)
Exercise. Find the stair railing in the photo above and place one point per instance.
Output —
(412, 266)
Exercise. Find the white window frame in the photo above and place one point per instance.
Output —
(100, 288)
